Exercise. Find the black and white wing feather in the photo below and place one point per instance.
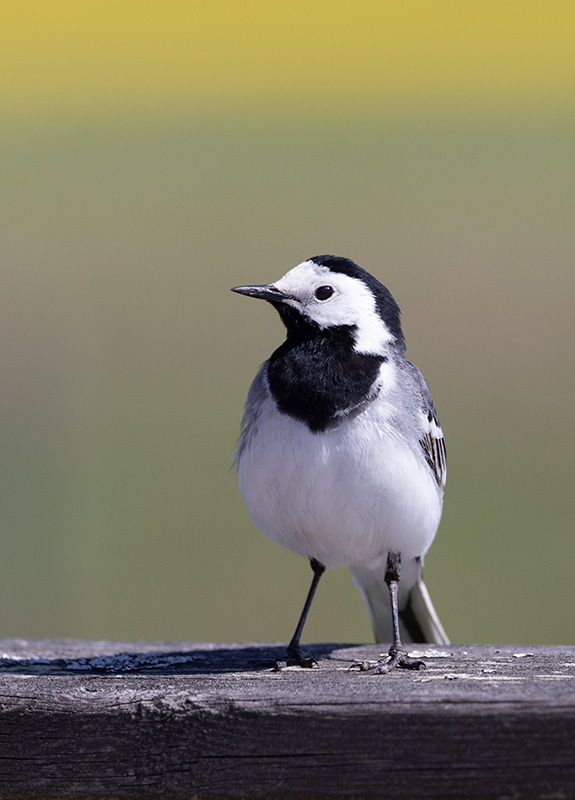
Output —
(433, 445)
(431, 436)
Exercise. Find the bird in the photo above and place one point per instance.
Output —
(341, 457)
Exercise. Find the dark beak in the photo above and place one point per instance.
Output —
(268, 292)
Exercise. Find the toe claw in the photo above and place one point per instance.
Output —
(294, 656)
(396, 658)
(362, 666)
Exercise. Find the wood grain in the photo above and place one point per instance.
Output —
(201, 720)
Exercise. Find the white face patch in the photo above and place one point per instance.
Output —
(351, 303)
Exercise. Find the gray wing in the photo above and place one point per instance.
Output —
(258, 392)
(431, 438)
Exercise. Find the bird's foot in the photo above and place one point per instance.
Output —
(295, 656)
(396, 658)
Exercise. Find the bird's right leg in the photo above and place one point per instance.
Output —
(294, 652)
(396, 657)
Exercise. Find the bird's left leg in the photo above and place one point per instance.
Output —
(396, 656)
(294, 652)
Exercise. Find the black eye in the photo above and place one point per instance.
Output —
(323, 292)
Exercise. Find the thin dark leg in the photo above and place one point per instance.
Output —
(392, 578)
(294, 652)
(396, 656)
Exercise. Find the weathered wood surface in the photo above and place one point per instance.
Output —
(159, 719)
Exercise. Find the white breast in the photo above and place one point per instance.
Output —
(344, 496)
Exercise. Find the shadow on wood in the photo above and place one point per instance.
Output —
(68, 656)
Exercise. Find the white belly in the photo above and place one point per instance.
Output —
(345, 496)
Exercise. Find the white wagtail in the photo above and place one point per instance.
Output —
(341, 457)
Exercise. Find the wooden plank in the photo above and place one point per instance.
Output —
(179, 719)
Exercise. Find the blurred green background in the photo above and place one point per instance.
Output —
(154, 154)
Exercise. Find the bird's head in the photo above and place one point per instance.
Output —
(327, 293)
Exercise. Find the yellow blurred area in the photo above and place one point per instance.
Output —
(100, 56)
